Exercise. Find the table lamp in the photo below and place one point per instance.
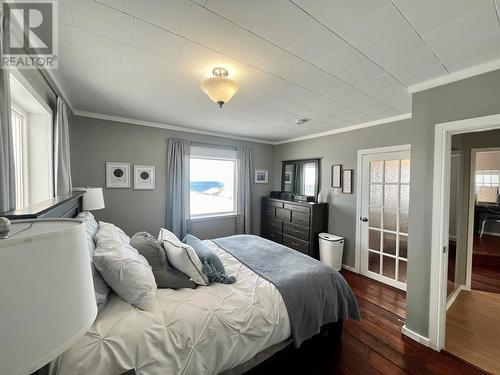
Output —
(92, 199)
(46, 290)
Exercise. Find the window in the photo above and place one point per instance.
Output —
(212, 182)
(487, 178)
(31, 122)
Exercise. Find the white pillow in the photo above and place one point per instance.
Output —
(183, 257)
(123, 268)
(101, 289)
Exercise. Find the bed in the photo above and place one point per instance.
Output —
(216, 329)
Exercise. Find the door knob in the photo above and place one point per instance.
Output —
(363, 219)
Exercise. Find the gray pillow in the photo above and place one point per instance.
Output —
(101, 289)
(165, 275)
(212, 265)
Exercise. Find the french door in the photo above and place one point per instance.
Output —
(385, 195)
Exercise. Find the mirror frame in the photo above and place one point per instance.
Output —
(317, 161)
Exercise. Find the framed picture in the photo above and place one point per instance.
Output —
(337, 175)
(347, 181)
(288, 177)
(144, 177)
(117, 175)
(261, 176)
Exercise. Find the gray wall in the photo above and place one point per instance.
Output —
(94, 142)
(473, 97)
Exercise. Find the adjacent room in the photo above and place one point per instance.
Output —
(249, 187)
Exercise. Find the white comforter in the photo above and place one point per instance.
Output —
(191, 331)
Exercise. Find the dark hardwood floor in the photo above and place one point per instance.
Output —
(374, 345)
(486, 264)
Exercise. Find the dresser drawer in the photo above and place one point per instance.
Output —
(300, 218)
(296, 244)
(268, 210)
(297, 208)
(273, 204)
(296, 231)
(283, 214)
(275, 225)
(273, 236)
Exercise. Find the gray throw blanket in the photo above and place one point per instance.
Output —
(314, 293)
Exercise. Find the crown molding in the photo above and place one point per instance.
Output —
(455, 76)
(348, 128)
(160, 125)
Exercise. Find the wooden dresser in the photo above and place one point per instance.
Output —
(294, 224)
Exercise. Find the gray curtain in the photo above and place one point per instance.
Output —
(244, 188)
(178, 186)
(62, 163)
(7, 173)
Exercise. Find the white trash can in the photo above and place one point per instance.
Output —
(331, 248)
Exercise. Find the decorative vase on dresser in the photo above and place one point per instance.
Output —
(294, 224)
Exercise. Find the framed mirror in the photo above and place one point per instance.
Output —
(301, 176)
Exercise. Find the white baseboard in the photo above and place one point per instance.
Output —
(453, 238)
(454, 296)
(492, 234)
(415, 336)
(349, 268)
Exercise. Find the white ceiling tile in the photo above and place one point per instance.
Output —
(351, 96)
(478, 60)
(356, 116)
(378, 84)
(342, 60)
(64, 12)
(395, 48)
(117, 4)
(487, 46)
(240, 11)
(200, 20)
(413, 63)
(476, 25)
(248, 47)
(329, 106)
(166, 14)
(397, 97)
(294, 92)
(284, 24)
(317, 44)
(406, 5)
(423, 75)
(318, 80)
(156, 40)
(306, 4)
(284, 64)
(101, 19)
(342, 14)
(379, 110)
(361, 73)
(430, 15)
(377, 28)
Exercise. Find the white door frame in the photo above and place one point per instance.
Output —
(440, 217)
(359, 181)
(471, 206)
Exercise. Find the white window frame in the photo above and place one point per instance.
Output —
(23, 200)
(488, 172)
(213, 153)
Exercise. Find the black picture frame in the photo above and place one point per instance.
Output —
(347, 181)
(336, 180)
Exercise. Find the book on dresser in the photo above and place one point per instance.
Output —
(294, 224)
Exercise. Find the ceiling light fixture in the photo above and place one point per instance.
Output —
(220, 88)
(301, 121)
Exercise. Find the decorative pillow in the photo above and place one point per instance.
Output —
(182, 257)
(212, 265)
(124, 269)
(101, 289)
(165, 275)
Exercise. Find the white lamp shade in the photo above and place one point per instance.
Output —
(219, 89)
(46, 290)
(92, 199)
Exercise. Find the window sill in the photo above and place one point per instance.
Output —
(213, 217)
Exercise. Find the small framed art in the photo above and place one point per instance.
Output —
(347, 181)
(337, 176)
(144, 177)
(261, 176)
(117, 175)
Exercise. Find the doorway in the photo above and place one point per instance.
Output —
(472, 315)
(383, 207)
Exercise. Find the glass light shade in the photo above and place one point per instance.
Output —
(219, 89)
